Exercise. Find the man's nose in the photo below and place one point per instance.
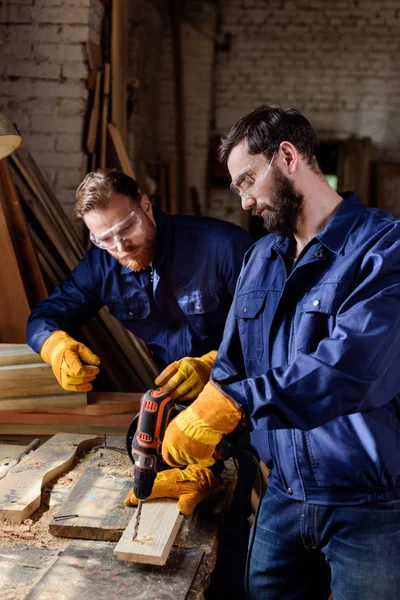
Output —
(247, 201)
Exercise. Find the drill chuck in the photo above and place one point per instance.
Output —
(144, 476)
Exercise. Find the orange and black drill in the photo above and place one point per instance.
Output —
(144, 443)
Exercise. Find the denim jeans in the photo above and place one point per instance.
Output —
(302, 551)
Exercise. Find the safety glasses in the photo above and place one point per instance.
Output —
(122, 231)
(247, 181)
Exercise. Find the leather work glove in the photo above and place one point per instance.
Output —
(185, 378)
(193, 435)
(65, 354)
(189, 486)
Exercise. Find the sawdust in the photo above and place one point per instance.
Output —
(144, 540)
(110, 461)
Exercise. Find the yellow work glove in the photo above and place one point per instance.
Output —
(193, 435)
(185, 378)
(65, 354)
(189, 486)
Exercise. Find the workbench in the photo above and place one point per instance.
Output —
(38, 565)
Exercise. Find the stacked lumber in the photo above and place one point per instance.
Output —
(32, 401)
(39, 248)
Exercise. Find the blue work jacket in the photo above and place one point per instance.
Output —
(178, 306)
(313, 355)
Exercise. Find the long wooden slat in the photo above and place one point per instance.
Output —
(14, 304)
(119, 65)
(53, 402)
(18, 354)
(159, 524)
(20, 491)
(18, 227)
(94, 509)
(117, 144)
(94, 119)
(99, 404)
(88, 569)
(17, 418)
(28, 380)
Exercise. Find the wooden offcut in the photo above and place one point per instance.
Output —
(20, 491)
(98, 404)
(18, 354)
(159, 524)
(18, 381)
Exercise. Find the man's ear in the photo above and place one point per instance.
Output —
(290, 157)
(147, 206)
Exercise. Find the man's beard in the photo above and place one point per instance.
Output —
(284, 207)
(143, 255)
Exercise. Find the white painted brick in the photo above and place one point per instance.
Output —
(69, 179)
(39, 143)
(36, 69)
(73, 70)
(62, 15)
(56, 125)
(58, 34)
(71, 107)
(17, 50)
(66, 142)
(59, 159)
(18, 14)
(61, 52)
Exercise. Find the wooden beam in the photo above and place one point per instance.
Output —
(17, 381)
(49, 403)
(159, 524)
(20, 491)
(119, 65)
(18, 354)
(99, 404)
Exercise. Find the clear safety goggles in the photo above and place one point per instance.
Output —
(122, 231)
(247, 181)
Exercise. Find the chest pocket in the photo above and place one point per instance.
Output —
(128, 309)
(198, 302)
(317, 316)
(249, 314)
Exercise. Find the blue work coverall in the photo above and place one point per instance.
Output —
(313, 355)
(178, 306)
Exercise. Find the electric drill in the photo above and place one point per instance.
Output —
(144, 442)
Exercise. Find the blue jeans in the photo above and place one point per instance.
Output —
(302, 551)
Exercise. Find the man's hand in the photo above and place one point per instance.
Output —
(189, 486)
(193, 435)
(65, 354)
(187, 377)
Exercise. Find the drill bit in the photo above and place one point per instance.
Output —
(138, 513)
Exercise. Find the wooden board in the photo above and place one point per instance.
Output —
(40, 404)
(94, 509)
(14, 305)
(119, 65)
(88, 569)
(18, 381)
(94, 54)
(94, 116)
(8, 416)
(159, 524)
(20, 490)
(18, 354)
(99, 404)
(39, 429)
(117, 144)
(22, 241)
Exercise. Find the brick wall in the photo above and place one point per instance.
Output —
(43, 90)
(337, 62)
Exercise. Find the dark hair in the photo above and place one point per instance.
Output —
(96, 190)
(266, 128)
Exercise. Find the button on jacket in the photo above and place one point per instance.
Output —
(314, 358)
(178, 306)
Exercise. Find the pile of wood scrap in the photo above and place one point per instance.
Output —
(39, 248)
(32, 401)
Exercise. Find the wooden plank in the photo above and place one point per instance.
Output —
(118, 146)
(159, 524)
(14, 305)
(53, 402)
(42, 430)
(18, 381)
(104, 115)
(22, 241)
(99, 403)
(18, 354)
(119, 65)
(11, 417)
(94, 117)
(20, 491)
(88, 569)
(94, 54)
(94, 509)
